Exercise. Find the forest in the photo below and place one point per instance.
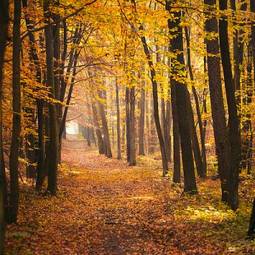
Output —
(127, 127)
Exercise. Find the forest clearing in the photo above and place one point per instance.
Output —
(127, 127)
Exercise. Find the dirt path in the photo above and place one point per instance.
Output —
(105, 207)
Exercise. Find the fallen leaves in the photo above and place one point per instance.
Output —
(105, 207)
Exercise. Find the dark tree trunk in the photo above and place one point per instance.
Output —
(132, 156)
(176, 137)
(108, 151)
(167, 132)
(56, 48)
(47, 141)
(194, 140)
(100, 141)
(238, 46)
(233, 122)
(165, 120)
(53, 122)
(238, 49)
(16, 120)
(41, 173)
(200, 164)
(247, 137)
(118, 120)
(216, 97)
(41, 146)
(130, 126)
(202, 129)
(4, 22)
(151, 127)
(57, 71)
(88, 136)
(155, 104)
(176, 46)
(142, 122)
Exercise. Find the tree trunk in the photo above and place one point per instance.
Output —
(155, 104)
(238, 46)
(176, 46)
(57, 71)
(118, 121)
(127, 103)
(176, 137)
(194, 140)
(200, 165)
(141, 122)
(4, 22)
(40, 170)
(152, 129)
(41, 173)
(16, 120)
(233, 122)
(106, 138)
(53, 122)
(201, 130)
(167, 131)
(216, 97)
(165, 119)
(247, 138)
(132, 156)
(100, 141)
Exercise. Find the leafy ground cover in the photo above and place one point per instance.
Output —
(105, 207)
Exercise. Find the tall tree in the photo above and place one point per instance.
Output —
(200, 156)
(52, 120)
(176, 47)
(4, 22)
(16, 120)
(233, 121)
(154, 90)
(216, 95)
(130, 126)
(155, 104)
(40, 170)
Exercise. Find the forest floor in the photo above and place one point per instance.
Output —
(105, 207)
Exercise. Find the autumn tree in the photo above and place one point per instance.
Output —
(233, 122)
(182, 104)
